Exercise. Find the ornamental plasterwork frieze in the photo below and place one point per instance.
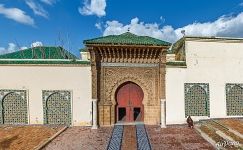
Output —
(114, 76)
(128, 65)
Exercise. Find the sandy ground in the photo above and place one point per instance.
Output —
(24, 137)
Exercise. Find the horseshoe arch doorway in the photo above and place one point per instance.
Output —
(129, 97)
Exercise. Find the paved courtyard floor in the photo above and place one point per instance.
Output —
(176, 138)
(132, 138)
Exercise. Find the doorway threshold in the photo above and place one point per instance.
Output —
(130, 123)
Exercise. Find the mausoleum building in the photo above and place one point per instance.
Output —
(123, 79)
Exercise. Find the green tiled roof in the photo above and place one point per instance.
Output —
(43, 62)
(127, 39)
(40, 53)
(83, 50)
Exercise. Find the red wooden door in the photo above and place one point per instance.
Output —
(129, 98)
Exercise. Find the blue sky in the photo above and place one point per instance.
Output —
(69, 22)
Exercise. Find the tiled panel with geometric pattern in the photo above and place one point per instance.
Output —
(197, 99)
(13, 107)
(234, 99)
(57, 107)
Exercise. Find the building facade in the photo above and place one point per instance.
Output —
(123, 78)
(206, 79)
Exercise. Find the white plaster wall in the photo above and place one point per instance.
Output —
(175, 107)
(34, 79)
(216, 63)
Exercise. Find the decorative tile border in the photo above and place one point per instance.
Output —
(56, 107)
(116, 138)
(128, 65)
(234, 99)
(16, 98)
(142, 137)
(197, 99)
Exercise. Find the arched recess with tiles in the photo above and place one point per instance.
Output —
(13, 107)
(234, 98)
(57, 107)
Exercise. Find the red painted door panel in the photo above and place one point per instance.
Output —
(129, 96)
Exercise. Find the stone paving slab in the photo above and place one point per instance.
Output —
(176, 138)
(81, 138)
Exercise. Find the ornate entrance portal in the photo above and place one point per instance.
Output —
(116, 59)
(129, 98)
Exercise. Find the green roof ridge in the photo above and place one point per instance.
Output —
(41, 52)
(127, 38)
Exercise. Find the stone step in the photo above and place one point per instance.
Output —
(226, 133)
(206, 136)
(231, 129)
(218, 135)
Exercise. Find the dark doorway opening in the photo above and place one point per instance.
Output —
(137, 114)
(121, 114)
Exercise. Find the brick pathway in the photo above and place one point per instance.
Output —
(81, 138)
(176, 137)
(129, 141)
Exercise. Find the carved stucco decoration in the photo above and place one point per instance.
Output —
(146, 78)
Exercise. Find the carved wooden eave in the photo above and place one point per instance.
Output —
(127, 53)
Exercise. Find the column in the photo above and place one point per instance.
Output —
(95, 123)
(162, 108)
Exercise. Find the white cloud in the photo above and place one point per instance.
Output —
(37, 8)
(93, 7)
(140, 28)
(36, 44)
(162, 19)
(11, 48)
(224, 26)
(98, 25)
(49, 2)
(17, 15)
(24, 47)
